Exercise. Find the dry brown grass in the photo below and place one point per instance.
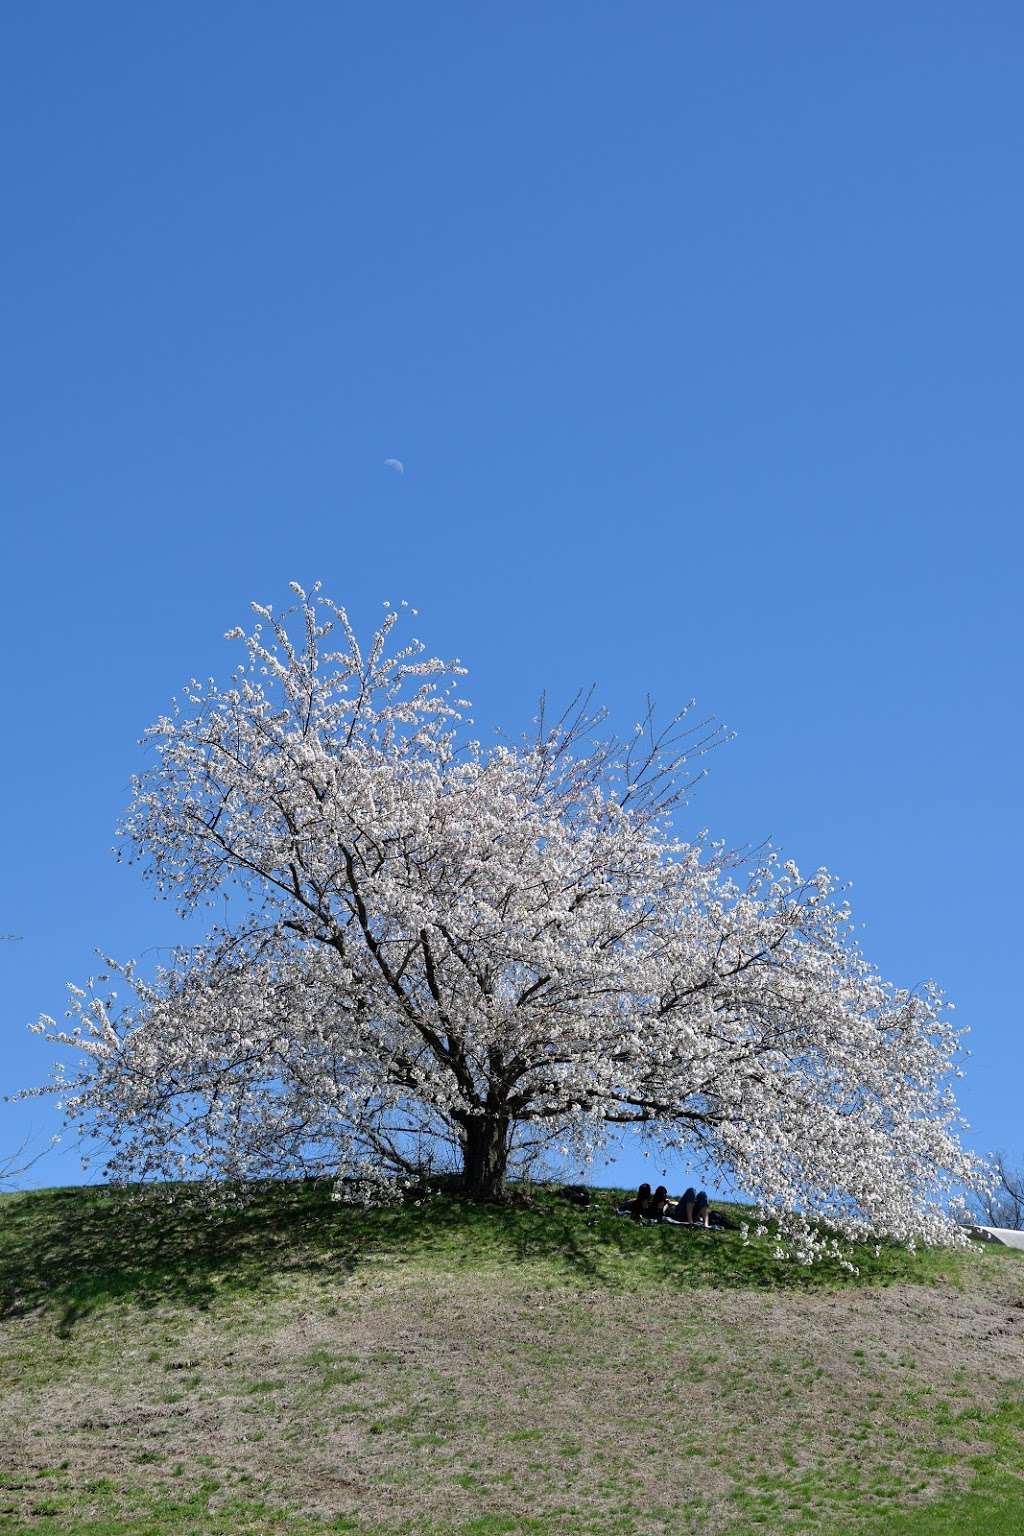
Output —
(426, 1399)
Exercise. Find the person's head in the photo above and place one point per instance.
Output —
(644, 1191)
(661, 1193)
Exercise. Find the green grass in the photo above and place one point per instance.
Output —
(101, 1511)
(77, 1250)
(312, 1328)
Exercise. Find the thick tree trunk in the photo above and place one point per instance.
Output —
(485, 1148)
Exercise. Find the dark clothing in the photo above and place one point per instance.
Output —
(639, 1207)
(691, 1206)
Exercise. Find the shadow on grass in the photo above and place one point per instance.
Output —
(81, 1249)
(77, 1250)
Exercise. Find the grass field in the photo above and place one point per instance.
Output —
(298, 1367)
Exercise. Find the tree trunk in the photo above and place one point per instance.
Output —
(485, 1147)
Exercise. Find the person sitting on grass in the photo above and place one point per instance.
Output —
(658, 1208)
(692, 1208)
(640, 1205)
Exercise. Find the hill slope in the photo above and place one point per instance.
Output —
(298, 1367)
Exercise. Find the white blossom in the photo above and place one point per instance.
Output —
(437, 944)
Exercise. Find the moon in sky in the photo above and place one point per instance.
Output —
(396, 465)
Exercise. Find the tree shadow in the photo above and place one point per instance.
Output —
(75, 1251)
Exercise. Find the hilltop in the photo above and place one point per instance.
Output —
(293, 1365)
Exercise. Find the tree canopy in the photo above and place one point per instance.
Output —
(440, 944)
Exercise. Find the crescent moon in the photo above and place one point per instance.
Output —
(396, 465)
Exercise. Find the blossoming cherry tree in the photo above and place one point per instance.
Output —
(436, 944)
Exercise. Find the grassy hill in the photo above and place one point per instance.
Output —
(297, 1367)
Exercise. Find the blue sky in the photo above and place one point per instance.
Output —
(699, 332)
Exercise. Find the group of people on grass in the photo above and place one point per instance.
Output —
(690, 1210)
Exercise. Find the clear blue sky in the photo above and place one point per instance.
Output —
(699, 331)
